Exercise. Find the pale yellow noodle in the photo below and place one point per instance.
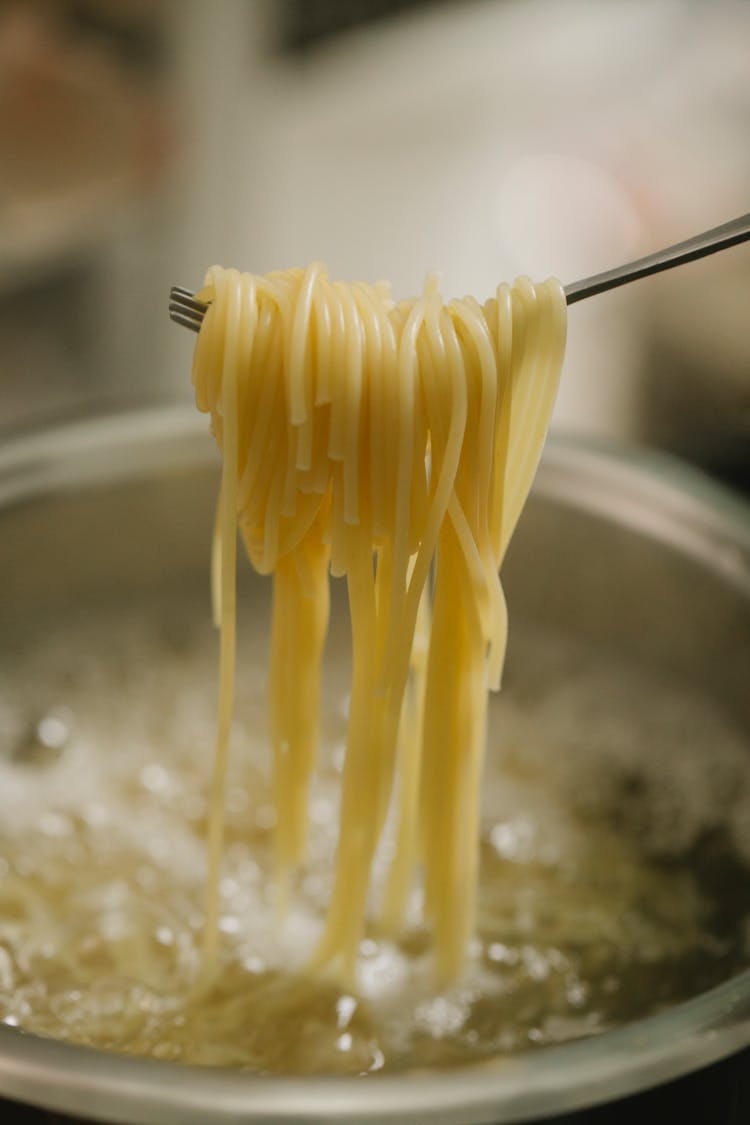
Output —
(229, 283)
(385, 443)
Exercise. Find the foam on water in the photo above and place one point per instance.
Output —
(615, 848)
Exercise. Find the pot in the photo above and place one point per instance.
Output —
(616, 548)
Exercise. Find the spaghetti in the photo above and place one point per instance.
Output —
(393, 443)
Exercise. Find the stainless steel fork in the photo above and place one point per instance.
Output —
(186, 310)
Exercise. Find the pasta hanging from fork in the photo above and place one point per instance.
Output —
(393, 443)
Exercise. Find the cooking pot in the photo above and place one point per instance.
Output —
(616, 547)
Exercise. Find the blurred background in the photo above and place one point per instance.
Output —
(143, 140)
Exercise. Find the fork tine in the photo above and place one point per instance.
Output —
(185, 309)
(194, 310)
(196, 315)
(186, 300)
(177, 293)
(179, 317)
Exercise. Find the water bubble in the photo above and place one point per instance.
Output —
(378, 1059)
(321, 811)
(502, 954)
(53, 731)
(441, 1016)
(54, 824)
(346, 1006)
(230, 924)
(514, 839)
(576, 993)
(155, 778)
(43, 740)
(557, 959)
(534, 962)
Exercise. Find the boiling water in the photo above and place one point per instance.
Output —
(615, 854)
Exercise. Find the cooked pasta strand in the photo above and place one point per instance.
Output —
(382, 442)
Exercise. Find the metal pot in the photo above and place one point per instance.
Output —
(647, 556)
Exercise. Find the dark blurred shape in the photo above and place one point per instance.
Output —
(309, 23)
(696, 399)
(126, 29)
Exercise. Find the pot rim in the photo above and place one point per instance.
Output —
(691, 513)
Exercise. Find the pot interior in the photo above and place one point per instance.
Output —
(616, 810)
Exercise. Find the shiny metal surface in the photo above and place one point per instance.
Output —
(700, 246)
(185, 309)
(609, 541)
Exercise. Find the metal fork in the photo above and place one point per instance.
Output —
(186, 310)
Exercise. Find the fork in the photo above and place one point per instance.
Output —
(187, 310)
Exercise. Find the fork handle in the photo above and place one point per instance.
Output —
(718, 238)
(186, 310)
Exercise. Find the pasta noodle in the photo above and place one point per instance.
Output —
(393, 444)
